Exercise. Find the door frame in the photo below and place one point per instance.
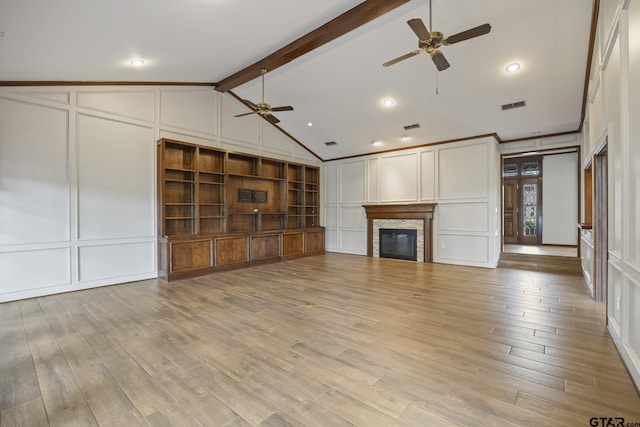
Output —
(537, 152)
(601, 222)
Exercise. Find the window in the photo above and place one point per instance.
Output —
(531, 168)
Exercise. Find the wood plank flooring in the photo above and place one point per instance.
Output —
(331, 340)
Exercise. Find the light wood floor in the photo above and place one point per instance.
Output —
(330, 340)
(568, 251)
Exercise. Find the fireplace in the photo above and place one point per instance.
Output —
(398, 243)
(410, 216)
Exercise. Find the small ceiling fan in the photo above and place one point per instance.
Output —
(431, 41)
(264, 109)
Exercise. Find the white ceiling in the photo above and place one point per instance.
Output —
(339, 86)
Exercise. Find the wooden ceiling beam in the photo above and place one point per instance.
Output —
(363, 13)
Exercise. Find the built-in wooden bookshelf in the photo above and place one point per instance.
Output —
(212, 201)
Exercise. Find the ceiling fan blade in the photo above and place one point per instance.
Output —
(284, 108)
(273, 119)
(420, 29)
(401, 58)
(245, 114)
(246, 101)
(440, 61)
(469, 34)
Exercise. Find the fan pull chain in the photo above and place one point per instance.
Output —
(431, 26)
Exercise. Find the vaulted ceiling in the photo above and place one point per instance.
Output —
(338, 86)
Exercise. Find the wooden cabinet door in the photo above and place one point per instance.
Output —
(510, 211)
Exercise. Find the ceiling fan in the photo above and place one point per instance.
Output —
(431, 41)
(262, 108)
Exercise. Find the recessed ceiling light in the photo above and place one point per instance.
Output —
(512, 68)
(376, 143)
(388, 102)
(309, 124)
(137, 62)
(404, 138)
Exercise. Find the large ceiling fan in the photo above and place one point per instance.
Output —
(431, 41)
(264, 109)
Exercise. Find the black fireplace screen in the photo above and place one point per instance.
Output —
(398, 243)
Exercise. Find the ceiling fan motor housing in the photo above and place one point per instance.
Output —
(431, 46)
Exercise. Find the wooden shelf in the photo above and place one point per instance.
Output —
(205, 191)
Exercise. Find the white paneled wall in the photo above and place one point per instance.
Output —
(461, 177)
(612, 110)
(78, 177)
(397, 176)
(560, 189)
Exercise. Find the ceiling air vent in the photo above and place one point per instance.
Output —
(514, 105)
(413, 126)
(329, 143)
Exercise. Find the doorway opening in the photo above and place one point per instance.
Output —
(540, 202)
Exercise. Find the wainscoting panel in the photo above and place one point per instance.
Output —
(34, 178)
(304, 156)
(352, 216)
(191, 109)
(463, 217)
(586, 254)
(133, 104)
(352, 182)
(615, 152)
(330, 189)
(331, 240)
(633, 309)
(24, 271)
(353, 241)
(273, 141)
(125, 259)
(427, 175)
(615, 295)
(463, 172)
(210, 142)
(463, 248)
(373, 178)
(398, 178)
(238, 129)
(331, 216)
(116, 179)
(61, 97)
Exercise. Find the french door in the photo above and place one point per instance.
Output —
(522, 201)
(530, 232)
